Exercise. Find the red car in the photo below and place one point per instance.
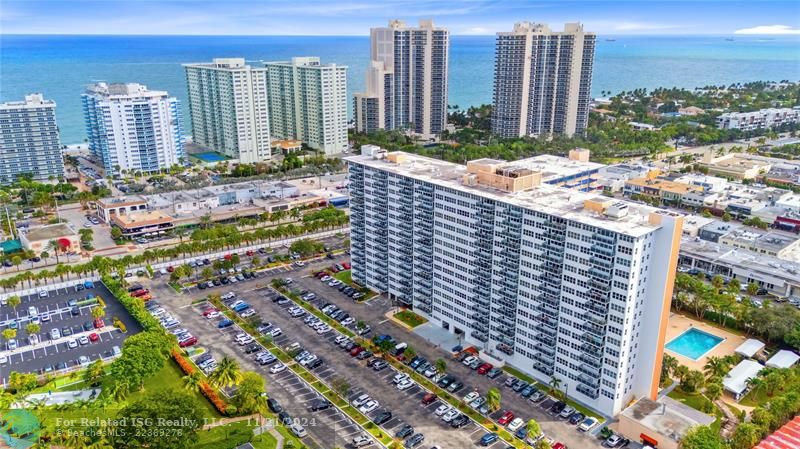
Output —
(559, 445)
(483, 369)
(506, 418)
(428, 398)
(346, 265)
(249, 252)
(188, 342)
(98, 323)
(209, 311)
(356, 351)
(170, 268)
(141, 292)
(93, 337)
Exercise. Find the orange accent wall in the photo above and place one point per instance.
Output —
(662, 329)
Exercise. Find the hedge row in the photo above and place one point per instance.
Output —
(205, 388)
(134, 306)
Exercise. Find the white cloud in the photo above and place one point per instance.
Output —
(769, 29)
(477, 31)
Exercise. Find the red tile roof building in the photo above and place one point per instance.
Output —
(787, 437)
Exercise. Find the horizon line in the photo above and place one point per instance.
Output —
(367, 35)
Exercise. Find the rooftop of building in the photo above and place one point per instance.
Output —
(287, 144)
(304, 61)
(768, 266)
(31, 100)
(624, 169)
(49, 232)
(569, 204)
(119, 201)
(737, 161)
(667, 416)
(232, 64)
(123, 90)
(772, 240)
(666, 185)
(556, 167)
(758, 112)
(787, 437)
(141, 218)
(720, 227)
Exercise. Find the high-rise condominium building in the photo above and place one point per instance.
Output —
(132, 128)
(308, 102)
(406, 82)
(542, 80)
(29, 142)
(555, 282)
(229, 108)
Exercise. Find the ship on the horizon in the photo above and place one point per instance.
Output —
(729, 39)
(611, 40)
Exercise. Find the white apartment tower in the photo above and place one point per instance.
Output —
(229, 108)
(132, 128)
(308, 102)
(542, 80)
(406, 82)
(554, 282)
(29, 141)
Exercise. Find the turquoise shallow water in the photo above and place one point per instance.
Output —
(61, 66)
(693, 343)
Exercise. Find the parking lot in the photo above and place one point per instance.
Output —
(68, 332)
(373, 313)
(326, 428)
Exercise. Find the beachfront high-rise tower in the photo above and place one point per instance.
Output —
(406, 82)
(308, 102)
(132, 128)
(29, 141)
(229, 108)
(542, 80)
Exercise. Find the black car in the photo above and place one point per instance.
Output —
(350, 345)
(382, 417)
(75, 311)
(363, 355)
(315, 364)
(404, 431)
(225, 281)
(285, 418)
(557, 408)
(415, 440)
(576, 418)
(203, 358)
(320, 404)
(87, 326)
(216, 282)
(66, 331)
(459, 421)
(445, 381)
(202, 286)
(61, 365)
(274, 405)
(252, 348)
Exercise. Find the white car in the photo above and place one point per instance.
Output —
(83, 360)
(43, 294)
(515, 425)
(442, 409)
(11, 344)
(324, 329)
(3, 360)
(468, 361)
(276, 332)
(277, 368)
(33, 339)
(359, 401)
(369, 406)
(83, 340)
(213, 314)
(45, 317)
(32, 312)
(471, 397)
(405, 384)
(587, 424)
(450, 415)
(248, 313)
(399, 377)
(72, 344)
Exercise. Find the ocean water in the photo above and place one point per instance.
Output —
(61, 66)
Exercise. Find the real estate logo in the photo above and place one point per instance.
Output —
(19, 429)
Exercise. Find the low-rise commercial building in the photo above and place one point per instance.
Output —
(143, 223)
(60, 237)
(612, 177)
(669, 191)
(779, 244)
(662, 423)
(119, 205)
(736, 165)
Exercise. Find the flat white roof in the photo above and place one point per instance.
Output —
(736, 379)
(749, 348)
(553, 200)
(783, 359)
(556, 167)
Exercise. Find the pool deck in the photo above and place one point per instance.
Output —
(678, 324)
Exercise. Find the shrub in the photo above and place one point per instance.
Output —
(185, 365)
(213, 397)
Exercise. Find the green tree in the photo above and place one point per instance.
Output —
(534, 429)
(143, 355)
(668, 365)
(116, 233)
(713, 391)
(193, 381)
(98, 312)
(341, 386)
(745, 436)
(493, 399)
(555, 386)
(440, 365)
(715, 367)
(752, 288)
(227, 373)
(166, 419)
(542, 444)
(22, 383)
(409, 353)
(14, 301)
(250, 393)
(702, 437)
(9, 334)
(692, 382)
(94, 372)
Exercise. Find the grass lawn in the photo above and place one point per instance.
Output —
(171, 378)
(344, 276)
(698, 402)
(347, 278)
(410, 318)
(264, 441)
(227, 436)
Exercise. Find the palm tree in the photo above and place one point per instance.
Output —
(193, 381)
(669, 364)
(14, 301)
(440, 365)
(713, 391)
(533, 429)
(32, 328)
(493, 399)
(98, 312)
(227, 373)
(55, 246)
(555, 385)
(756, 385)
(715, 367)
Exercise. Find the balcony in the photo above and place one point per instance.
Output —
(589, 370)
(592, 350)
(588, 391)
(591, 361)
(592, 340)
(480, 336)
(589, 381)
(609, 240)
(548, 331)
(600, 273)
(543, 338)
(592, 317)
(603, 250)
(543, 358)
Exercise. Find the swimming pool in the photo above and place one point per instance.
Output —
(209, 157)
(694, 343)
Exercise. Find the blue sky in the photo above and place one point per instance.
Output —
(355, 17)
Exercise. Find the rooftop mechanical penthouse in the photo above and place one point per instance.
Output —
(552, 281)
